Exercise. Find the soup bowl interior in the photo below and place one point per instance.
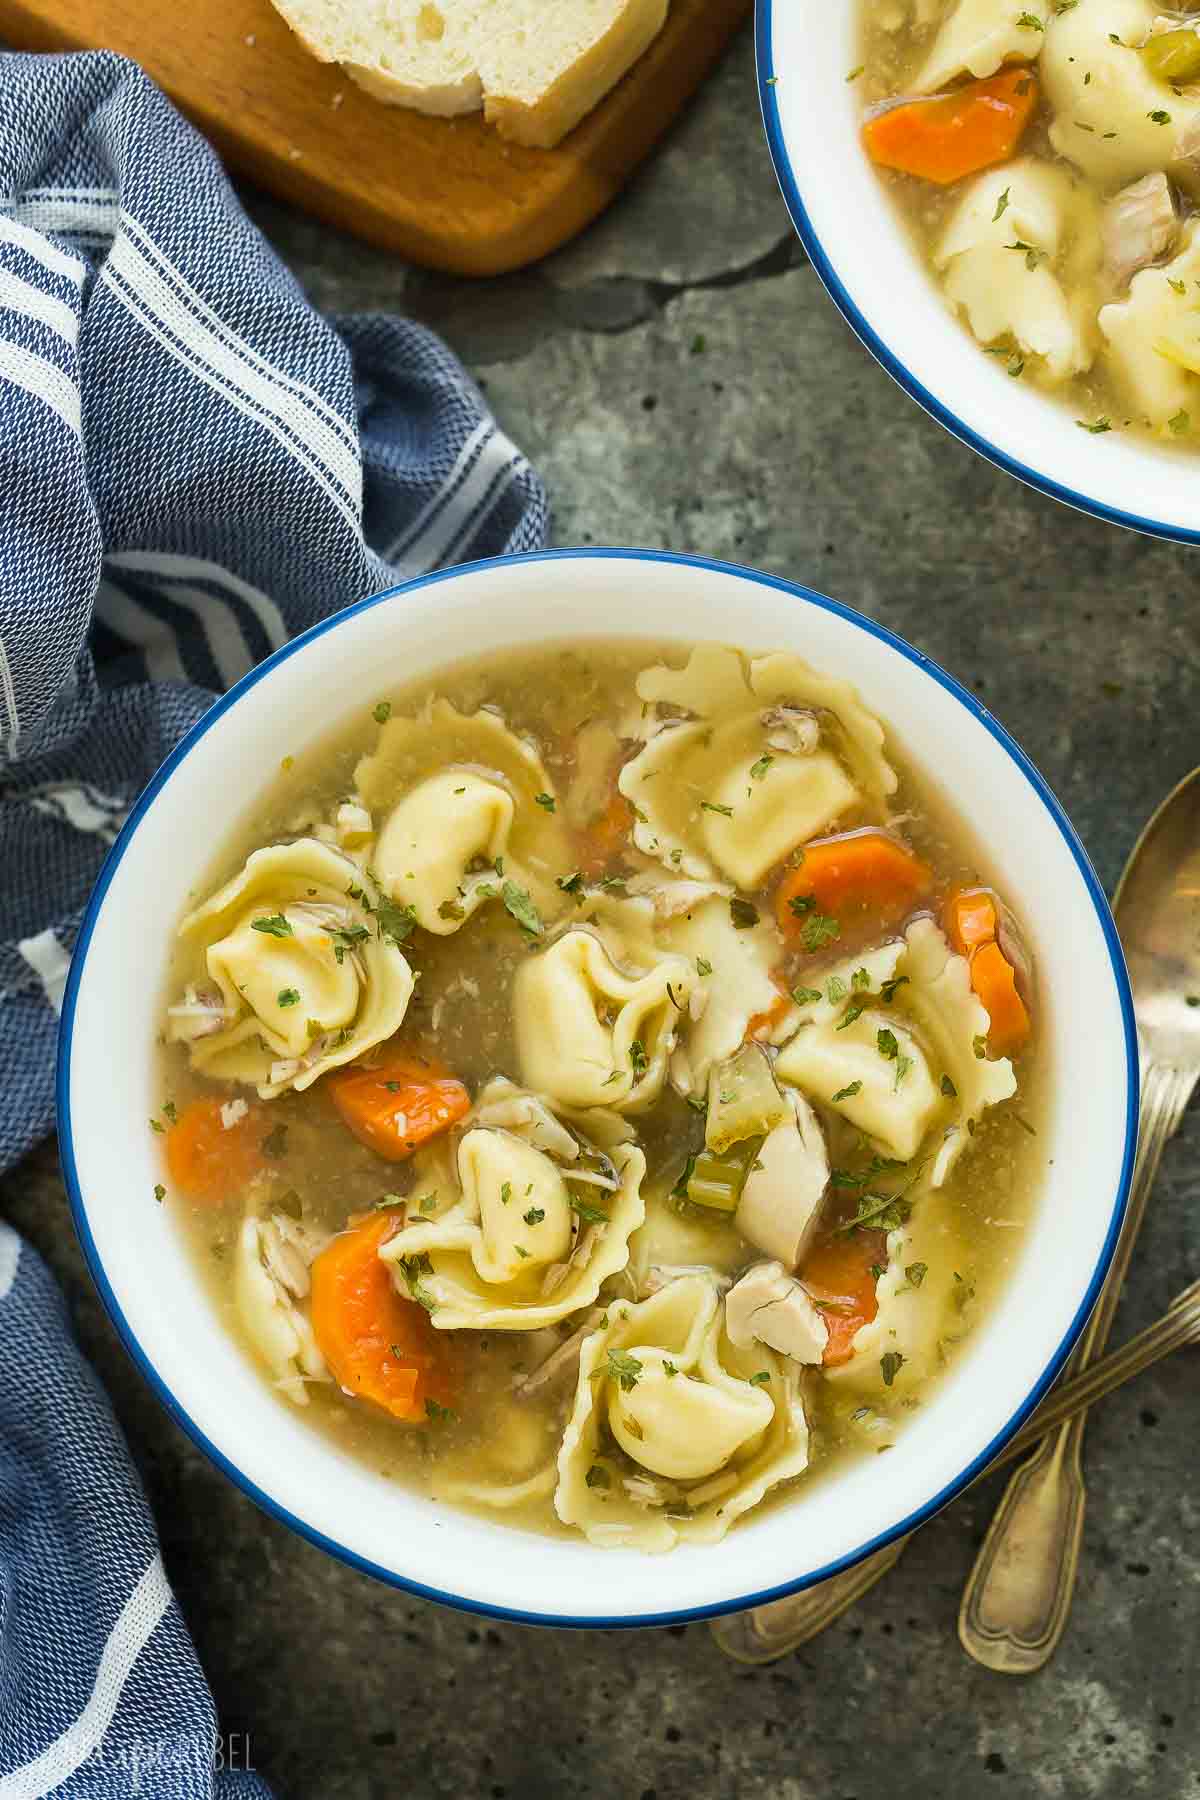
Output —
(109, 1086)
(871, 269)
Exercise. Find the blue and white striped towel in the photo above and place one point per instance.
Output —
(195, 466)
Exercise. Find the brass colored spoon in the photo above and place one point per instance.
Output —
(768, 1631)
(1017, 1599)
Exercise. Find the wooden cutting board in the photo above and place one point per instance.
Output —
(445, 192)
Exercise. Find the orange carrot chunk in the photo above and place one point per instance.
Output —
(861, 876)
(209, 1161)
(398, 1106)
(944, 139)
(379, 1346)
(971, 918)
(601, 842)
(994, 980)
(839, 1274)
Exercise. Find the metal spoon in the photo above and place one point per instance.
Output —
(1017, 1599)
(1166, 855)
(766, 1632)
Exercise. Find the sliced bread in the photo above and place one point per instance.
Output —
(535, 66)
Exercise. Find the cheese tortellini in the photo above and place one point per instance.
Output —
(590, 1035)
(710, 1427)
(306, 976)
(999, 253)
(901, 1051)
(1113, 118)
(978, 36)
(748, 773)
(518, 1249)
(1154, 335)
(468, 810)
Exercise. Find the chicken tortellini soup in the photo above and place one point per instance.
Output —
(601, 1088)
(1047, 159)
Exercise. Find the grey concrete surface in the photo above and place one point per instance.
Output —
(683, 381)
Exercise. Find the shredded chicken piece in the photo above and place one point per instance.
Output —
(1137, 225)
(661, 1275)
(793, 729)
(561, 1361)
(672, 898)
(232, 1112)
(579, 1258)
(198, 1014)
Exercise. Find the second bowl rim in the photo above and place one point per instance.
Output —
(889, 362)
(342, 1552)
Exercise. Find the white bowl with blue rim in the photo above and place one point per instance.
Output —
(866, 260)
(109, 1085)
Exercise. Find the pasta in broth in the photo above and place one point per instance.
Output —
(1045, 158)
(600, 1086)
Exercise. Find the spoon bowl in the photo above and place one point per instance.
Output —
(1157, 906)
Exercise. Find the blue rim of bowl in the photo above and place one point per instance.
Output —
(869, 337)
(676, 1616)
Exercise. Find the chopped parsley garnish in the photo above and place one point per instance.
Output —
(835, 989)
(638, 1060)
(412, 1268)
(1030, 22)
(624, 1369)
(432, 1409)
(169, 1111)
(891, 1364)
(288, 997)
(522, 908)
(887, 992)
(680, 1190)
(1096, 426)
(883, 1212)
(160, 1192)
(1001, 206)
(450, 909)
(948, 1088)
(703, 966)
(669, 1369)
(1033, 256)
(762, 1379)
(744, 916)
(903, 1066)
(851, 1014)
(273, 925)
(572, 884)
(590, 1214)
(806, 996)
(545, 801)
(521, 1252)
(916, 1273)
(1158, 117)
(759, 768)
(1180, 287)
(534, 1216)
(979, 1045)
(846, 1093)
(274, 1144)
(598, 1477)
(505, 1192)
(382, 713)
(714, 806)
(855, 73)
(801, 904)
(426, 1204)
(861, 979)
(157, 1125)
(393, 921)
(885, 1043)
(1178, 423)
(819, 930)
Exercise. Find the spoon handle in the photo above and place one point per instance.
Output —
(1018, 1596)
(765, 1632)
